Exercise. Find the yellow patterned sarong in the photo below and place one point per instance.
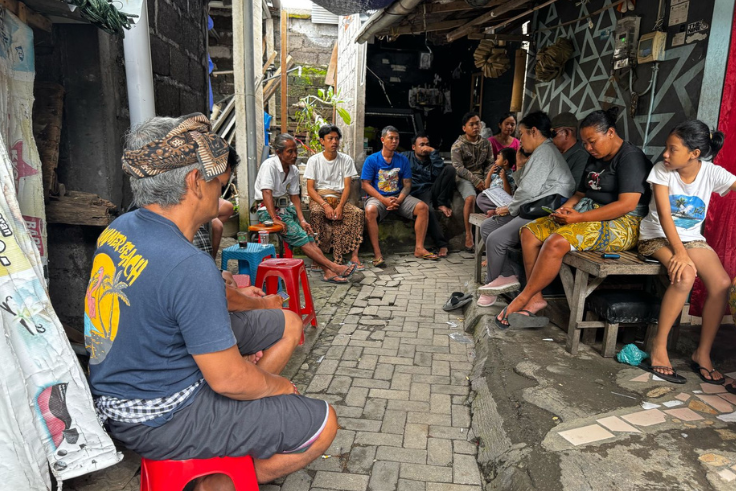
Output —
(616, 235)
(732, 302)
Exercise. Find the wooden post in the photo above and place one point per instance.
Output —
(517, 90)
(284, 75)
(270, 49)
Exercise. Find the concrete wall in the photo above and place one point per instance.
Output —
(89, 64)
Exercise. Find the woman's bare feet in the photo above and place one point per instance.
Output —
(443, 252)
(659, 358)
(707, 370)
(446, 210)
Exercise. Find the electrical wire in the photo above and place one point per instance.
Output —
(382, 84)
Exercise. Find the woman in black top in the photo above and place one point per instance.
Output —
(603, 215)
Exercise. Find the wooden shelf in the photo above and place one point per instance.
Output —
(78, 208)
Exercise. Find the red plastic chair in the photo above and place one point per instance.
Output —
(293, 274)
(174, 475)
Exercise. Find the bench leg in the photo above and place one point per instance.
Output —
(577, 307)
(609, 340)
(479, 246)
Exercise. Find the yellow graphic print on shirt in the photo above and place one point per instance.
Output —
(388, 180)
(106, 291)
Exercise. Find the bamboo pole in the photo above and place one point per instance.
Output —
(517, 90)
(284, 76)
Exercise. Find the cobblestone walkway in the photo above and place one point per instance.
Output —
(395, 366)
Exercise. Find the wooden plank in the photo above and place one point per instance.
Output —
(521, 16)
(477, 218)
(78, 208)
(27, 15)
(457, 6)
(488, 16)
(608, 348)
(577, 307)
(331, 76)
(270, 89)
(499, 37)
(283, 79)
(568, 281)
(420, 28)
(48, 109)
(269, 62)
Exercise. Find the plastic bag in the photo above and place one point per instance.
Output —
(632, 355)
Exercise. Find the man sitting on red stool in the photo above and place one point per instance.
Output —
(170, 371)
(277, 197)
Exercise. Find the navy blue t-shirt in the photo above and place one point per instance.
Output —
(386, 178)
(153, 301)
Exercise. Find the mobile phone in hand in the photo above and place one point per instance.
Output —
(548, 209)
(284, 295)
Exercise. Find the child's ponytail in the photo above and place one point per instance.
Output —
(696, 135)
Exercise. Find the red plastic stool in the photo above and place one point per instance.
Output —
(173, 475)
(292, 272)
(284, 250)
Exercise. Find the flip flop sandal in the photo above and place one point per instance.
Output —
(349, 272)
(672, 378)
(470, 249)
(378, 263)
(336, 280)
(315, 267)
(429, 257)
(526, 321)
(504, 318)
(358, 267)
(457, 300)
(730, 388)
(699, 370)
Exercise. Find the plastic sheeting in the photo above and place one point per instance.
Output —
(349, 7)
(46, 412)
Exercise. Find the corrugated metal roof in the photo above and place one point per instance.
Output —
(321, 15)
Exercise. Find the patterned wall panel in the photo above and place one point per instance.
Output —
(589, 82)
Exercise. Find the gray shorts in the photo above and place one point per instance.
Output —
(465, 188)
(214, 425)
(406, 209)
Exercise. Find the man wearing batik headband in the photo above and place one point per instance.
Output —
(277, 197)
(172, 373)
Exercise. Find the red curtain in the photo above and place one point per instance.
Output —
(720, 224)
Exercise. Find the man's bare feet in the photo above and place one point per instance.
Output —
(446, 210)
(423, 253)
(484, 263)
(469, 241)
(535, 305)
(443, 252)
(254, 358)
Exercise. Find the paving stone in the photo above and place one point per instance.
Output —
(460, 416)
(393, 422)
(396, 360)
(417, 341)
(424, 359)
(354, 372)
(368, 438)
(465, 470)
(392, 343)
(414, 370)
(439, 404)
(415, 435)
(407, 350)
(366, 344)
(361, 335)
(398, 454)
(451, 487)
(415, 406)
(374, 409)
(360, 424)
(341, 481)
(348, 411)
(342, 443)
(335, 352)
(448, 432)
(383, 371)
(429, 473)
(380, 351)
(327, 367)
(341, 385)
(464, 447)
(429, 418)
(450, 389)
(353, 353)
(431, 379)
(419, 392)
(439, 452)
(459, 399)
(368, 362)
(432, 349)
(356, 396)
(402, 395)
(370, 383)
(347, 364)
(341, 340)
(440, 340)
(319, 383)
(333, 463)
(401, 381)
(361, 459)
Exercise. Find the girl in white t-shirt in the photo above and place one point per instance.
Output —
(681, 189)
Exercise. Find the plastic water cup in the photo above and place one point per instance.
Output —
(263, 237)
(243, 239)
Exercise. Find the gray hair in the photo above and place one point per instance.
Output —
(279, 143)
(168, 188)
(388, 129)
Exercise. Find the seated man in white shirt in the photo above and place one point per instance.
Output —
(277, 196)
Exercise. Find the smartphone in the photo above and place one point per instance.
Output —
(646, 259)
(548, 209)
(607, 255)
(268, 223)
(284, 295)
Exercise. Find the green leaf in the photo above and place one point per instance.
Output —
(344, 115)
(321, 93)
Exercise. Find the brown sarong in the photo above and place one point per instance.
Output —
(343, 236)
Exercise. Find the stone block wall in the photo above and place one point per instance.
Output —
(221, 52)
(351, 83)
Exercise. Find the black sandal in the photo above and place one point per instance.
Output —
(672, 378)
(699, 370)
(503, 322)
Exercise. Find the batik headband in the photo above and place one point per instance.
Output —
(190, 142)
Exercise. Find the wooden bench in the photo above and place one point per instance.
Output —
(590, 271)
(476, 219)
